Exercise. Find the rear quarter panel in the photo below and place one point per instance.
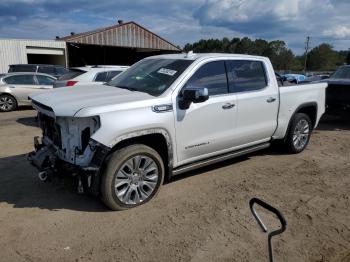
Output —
(292, 97)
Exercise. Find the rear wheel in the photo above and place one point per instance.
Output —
(132, 177)
(7, 103)
(299, 133)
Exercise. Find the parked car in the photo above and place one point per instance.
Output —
(89, 75)
(295, 78)
(167, 115)
(315, 78)
(53, 70)
(15, 88)
(282, 81)
(338, 91)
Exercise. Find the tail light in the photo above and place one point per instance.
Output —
(71, 83)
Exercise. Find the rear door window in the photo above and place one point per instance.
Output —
(245, 75)
(212, 76)
(20, 80)
(73, 73)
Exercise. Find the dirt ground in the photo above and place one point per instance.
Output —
(200, 216)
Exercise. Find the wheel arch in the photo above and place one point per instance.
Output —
(310, 109)
(9, 94)
(158, 139)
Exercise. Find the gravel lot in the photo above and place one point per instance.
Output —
(201, 216)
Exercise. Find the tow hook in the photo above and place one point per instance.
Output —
(43, 176)
(46, 175)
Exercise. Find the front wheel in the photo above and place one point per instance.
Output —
(133, 176)
(7, 103)
(299, 133)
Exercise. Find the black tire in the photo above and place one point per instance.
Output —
(115, 162)
(7, 103)
(292, 136)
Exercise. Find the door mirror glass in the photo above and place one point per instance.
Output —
(193, 95)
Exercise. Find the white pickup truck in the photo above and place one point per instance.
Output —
(167, 115)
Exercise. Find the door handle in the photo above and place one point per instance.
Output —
(271, 99)
(228, 106)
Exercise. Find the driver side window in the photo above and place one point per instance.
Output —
(212, 76)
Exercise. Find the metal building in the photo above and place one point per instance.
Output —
(16, 51)
(123, 43)
(120, 44)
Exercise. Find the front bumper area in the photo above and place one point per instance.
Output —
(45, 158)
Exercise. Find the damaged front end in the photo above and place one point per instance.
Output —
(66, 147)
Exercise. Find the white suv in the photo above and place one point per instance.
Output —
(89, 75)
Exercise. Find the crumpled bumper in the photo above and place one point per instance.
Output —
(45, 159)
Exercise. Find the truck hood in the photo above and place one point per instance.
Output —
(68, 101)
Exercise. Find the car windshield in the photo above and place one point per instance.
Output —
(72, 73)
(341, 73)
(152, 76)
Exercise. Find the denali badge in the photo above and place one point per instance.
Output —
(201, 144)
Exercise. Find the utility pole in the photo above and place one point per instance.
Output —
(307, 45)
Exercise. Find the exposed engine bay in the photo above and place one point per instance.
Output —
(66, 147)
(70, 137)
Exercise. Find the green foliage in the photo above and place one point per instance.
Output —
(322, 57)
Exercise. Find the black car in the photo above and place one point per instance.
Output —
(338, 91)
(54, 70)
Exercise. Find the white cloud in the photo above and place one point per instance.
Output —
(339, 32)
(244, 11)
(184, 21)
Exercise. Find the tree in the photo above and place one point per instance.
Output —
(281, 57)
(245, 46)
(323, 57)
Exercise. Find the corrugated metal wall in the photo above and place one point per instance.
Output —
(126, 35)
(13, 51)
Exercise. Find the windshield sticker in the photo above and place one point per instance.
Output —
(167, 71)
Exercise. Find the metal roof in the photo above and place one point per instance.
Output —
(128, 34)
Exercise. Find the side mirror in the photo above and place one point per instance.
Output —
(193, 95)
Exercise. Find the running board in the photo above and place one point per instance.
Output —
(216, 159)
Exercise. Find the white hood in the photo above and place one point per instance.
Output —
(67, 101)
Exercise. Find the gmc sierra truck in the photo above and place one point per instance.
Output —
(167, 115)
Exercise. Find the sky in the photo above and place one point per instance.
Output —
(185, 21)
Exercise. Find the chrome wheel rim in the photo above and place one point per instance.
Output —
(6, 103)
(136, 180)
(301, 134)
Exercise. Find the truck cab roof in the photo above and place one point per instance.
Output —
(199, 56)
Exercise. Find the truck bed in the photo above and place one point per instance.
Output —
(294, 96)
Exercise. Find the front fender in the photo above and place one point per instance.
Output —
(7, 90)
(144, 132)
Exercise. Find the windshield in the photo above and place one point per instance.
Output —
(341, 73)
(72, 73)
(152, 76)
